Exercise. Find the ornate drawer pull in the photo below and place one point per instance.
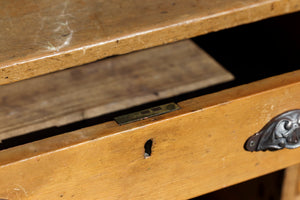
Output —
(283, 131)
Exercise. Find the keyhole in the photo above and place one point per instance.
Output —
(148, 148)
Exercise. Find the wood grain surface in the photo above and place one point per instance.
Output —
(196, 150)
(49, 35)
(106, 86)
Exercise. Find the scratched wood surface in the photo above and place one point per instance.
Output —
(38, 37)
(105, 86)
(196, 150)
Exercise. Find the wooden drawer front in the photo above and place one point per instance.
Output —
(196, 149)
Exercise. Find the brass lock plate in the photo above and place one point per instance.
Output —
(147, 113)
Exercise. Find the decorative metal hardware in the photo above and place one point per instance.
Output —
(283, 131)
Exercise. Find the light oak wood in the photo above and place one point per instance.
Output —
(196, 150)
(49, 35)
(105, 86)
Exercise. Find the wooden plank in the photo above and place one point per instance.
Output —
(106, 86)
(38, 38)
(195, 150)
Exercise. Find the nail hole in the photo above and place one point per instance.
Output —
(148, 148)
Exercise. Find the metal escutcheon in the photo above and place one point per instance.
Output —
(283, 131)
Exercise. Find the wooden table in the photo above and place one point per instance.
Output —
(195, 150)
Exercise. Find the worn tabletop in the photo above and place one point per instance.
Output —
(38, 37)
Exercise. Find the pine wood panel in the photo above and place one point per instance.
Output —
(196, 150)
(50, 35)
(106, 86)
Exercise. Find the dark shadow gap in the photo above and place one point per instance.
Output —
(266, 187)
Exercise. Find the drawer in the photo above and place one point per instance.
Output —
(181, 154)
(197, 149)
